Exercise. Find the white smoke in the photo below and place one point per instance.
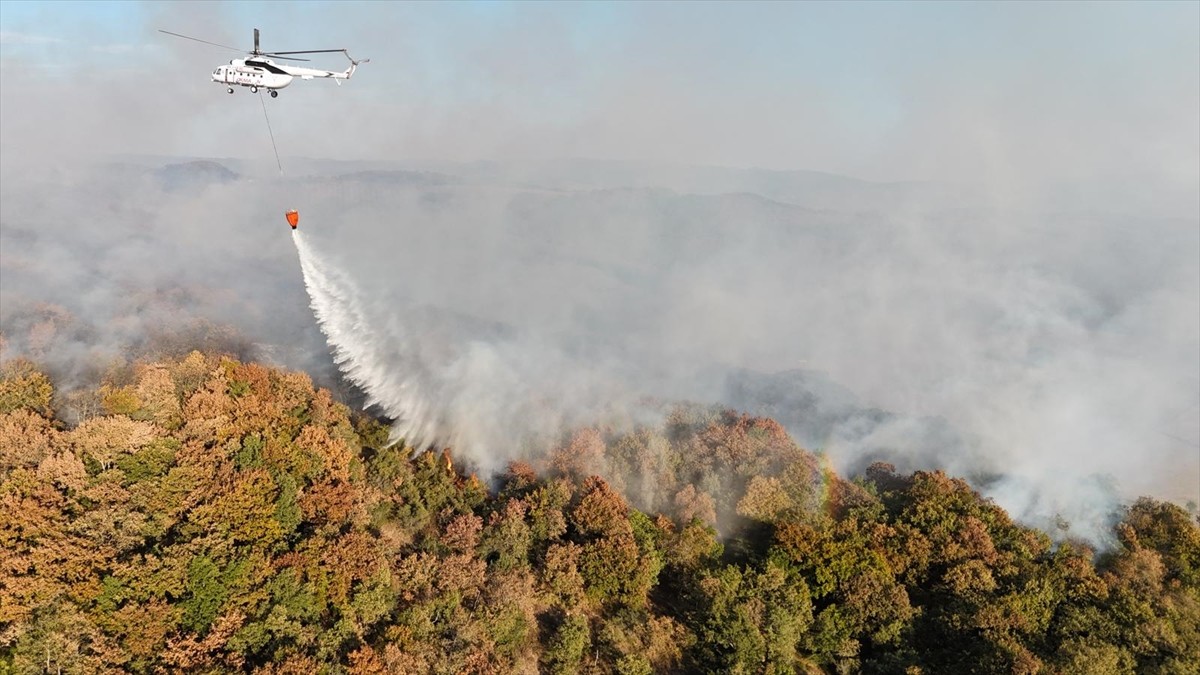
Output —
(1046, 311)
(1009, 348)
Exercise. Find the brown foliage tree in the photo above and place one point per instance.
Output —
(601, 511)
(26, 438)
(24, 387)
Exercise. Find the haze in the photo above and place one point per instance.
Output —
(983, 219)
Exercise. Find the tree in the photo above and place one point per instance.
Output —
(26, 438)
(600, 511)
(105, 440)
(506, 538)
(567, 645)
(1171, 531)
(230, 518)
(692, 504)
(581, 456)
(24, 387)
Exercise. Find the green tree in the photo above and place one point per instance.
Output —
(567, 645)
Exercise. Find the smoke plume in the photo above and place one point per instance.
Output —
(1013, 295)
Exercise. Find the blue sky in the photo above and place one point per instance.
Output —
(885, 90)
(76, 24)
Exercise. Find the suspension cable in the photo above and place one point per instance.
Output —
(272, 133)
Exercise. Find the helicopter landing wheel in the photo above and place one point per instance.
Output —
(253, 90)
(229, 89)
(274, 94)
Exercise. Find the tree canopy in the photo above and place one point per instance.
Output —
(208, 515)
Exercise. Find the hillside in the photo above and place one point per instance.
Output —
(208, 515)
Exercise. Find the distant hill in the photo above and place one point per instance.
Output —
(422, 178)
(189, 175)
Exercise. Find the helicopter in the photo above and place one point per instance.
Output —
(259, 71)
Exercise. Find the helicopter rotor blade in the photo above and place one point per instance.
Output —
(286, 58)
(256, 50)
(188, 37)
(313, 51)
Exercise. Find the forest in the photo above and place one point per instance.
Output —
(202, 514)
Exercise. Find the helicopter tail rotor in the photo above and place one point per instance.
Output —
(353, 64)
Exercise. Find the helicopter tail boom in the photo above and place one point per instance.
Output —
(309, 73)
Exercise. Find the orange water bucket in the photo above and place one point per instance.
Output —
(293, 218)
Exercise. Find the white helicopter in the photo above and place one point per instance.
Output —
(257, 71)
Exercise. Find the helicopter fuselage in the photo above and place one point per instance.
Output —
(258, 72)
(253, 73)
